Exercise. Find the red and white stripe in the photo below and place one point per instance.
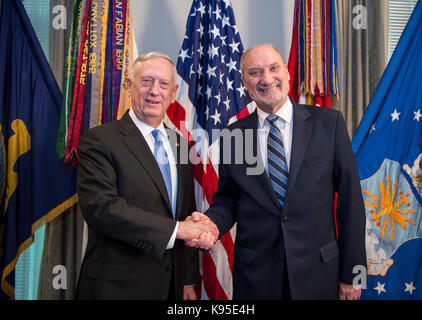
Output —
(217, 264)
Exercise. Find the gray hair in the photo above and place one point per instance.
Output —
(147, 56)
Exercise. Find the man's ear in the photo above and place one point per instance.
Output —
(244, 83)
(176, 87)
(287, 70)
(128, 84)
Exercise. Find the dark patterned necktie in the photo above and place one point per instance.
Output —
(277, 165)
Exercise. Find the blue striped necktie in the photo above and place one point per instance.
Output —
(160, 155)
(277, 165)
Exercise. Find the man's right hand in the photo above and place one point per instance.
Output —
(198, 231)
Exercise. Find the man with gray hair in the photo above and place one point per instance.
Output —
(286, 244)
(136, 196)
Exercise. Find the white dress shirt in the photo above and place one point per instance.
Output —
(146, 131)
(285, 125)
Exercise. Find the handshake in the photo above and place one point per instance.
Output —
(198, 231)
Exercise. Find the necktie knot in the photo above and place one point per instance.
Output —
(156, 135)
(272, 119)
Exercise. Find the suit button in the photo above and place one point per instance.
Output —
(284, 219)
(168, 269)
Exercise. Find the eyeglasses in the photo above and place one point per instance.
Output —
(148, 82)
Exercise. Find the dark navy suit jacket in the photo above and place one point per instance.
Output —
(304, 231)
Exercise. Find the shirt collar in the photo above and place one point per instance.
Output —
(145, 128)
(285, 112)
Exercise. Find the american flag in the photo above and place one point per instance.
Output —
(211, 95)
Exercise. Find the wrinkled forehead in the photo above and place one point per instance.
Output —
(260, 56)
(155, 64)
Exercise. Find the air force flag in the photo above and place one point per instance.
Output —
(388, 150)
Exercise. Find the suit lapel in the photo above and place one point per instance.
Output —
(302, 129)
(136, 143)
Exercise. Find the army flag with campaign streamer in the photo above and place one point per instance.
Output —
(388, 150)
(313, 54)
(35, 186)
(99, 63)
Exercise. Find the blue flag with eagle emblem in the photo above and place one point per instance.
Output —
(35, 186)
(388, 150)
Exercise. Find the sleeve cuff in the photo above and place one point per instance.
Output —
(170, 244)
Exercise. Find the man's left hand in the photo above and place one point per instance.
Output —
(189, 293)
(349, 292)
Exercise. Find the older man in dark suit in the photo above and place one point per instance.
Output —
(135, 195)
(286, 245)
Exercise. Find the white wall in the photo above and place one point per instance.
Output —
(159, 25)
